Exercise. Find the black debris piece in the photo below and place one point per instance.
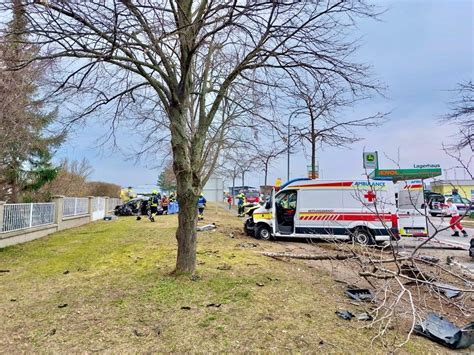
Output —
(217, 305)
(13, 300)
(66, 272)
(52, 331)
(360, 294)
(139, 218)
(138, 333)
(366, 317)
(260, 284)
(446, 333)
(413, 272)
(446, 289)
(247, 245)
(346, 315)
(63, 305)
(2, 271)
(429, 258)
(187, 308)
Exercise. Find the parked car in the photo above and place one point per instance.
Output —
(252, 196)
(437, 204)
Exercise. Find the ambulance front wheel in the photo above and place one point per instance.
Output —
(263, 232)
(362, 236)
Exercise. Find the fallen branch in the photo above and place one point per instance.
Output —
(377, 276)
(310, 256)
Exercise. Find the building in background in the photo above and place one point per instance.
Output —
(214, 189)
(235, 190)
(465, 188)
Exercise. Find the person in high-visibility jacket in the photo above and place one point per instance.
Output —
(240, 204)
(153, 202)
(201, 205)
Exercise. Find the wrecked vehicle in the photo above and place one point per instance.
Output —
(136, 207)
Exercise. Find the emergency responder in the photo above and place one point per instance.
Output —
(172, 197)
(164, 203)
(127, 195)
(153, 203)
(240, 204)
(201, 205)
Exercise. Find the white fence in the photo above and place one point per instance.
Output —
(114, 202)
(98, 211)
(22, 222)
(75, 206)
(26, 215)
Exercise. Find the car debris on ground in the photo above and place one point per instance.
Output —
(444, 332)
(207, 227)
(446, 289)
(360, 294)
(346, 315)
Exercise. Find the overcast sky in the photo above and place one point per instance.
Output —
(420, 50)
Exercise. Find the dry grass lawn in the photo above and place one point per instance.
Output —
(107, 287)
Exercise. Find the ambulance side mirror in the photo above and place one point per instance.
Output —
(268, 205)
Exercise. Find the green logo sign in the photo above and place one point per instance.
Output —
(370, 160)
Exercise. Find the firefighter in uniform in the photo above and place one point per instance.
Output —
(201, 205)
(153, 202)
(241, 203)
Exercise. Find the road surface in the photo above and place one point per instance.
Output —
(440, 246)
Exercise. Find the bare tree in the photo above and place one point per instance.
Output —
(173, 63)
(266, 155)
(462, 115)
(317, 110)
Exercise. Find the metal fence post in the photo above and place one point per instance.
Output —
(31, 216)
(2, 208)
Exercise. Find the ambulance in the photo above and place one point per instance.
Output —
(411, 208)
(362, 211)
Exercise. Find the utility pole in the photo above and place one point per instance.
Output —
(288, 150)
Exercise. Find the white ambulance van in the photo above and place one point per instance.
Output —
(363, 211)
(411, 214)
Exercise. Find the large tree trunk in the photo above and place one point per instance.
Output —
(186, 233)
(188, 188)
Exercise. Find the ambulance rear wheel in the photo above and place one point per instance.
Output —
(263, 232)
(362, 236)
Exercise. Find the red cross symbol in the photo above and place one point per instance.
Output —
(370, 196)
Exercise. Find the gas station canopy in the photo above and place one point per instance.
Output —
(404, 174)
